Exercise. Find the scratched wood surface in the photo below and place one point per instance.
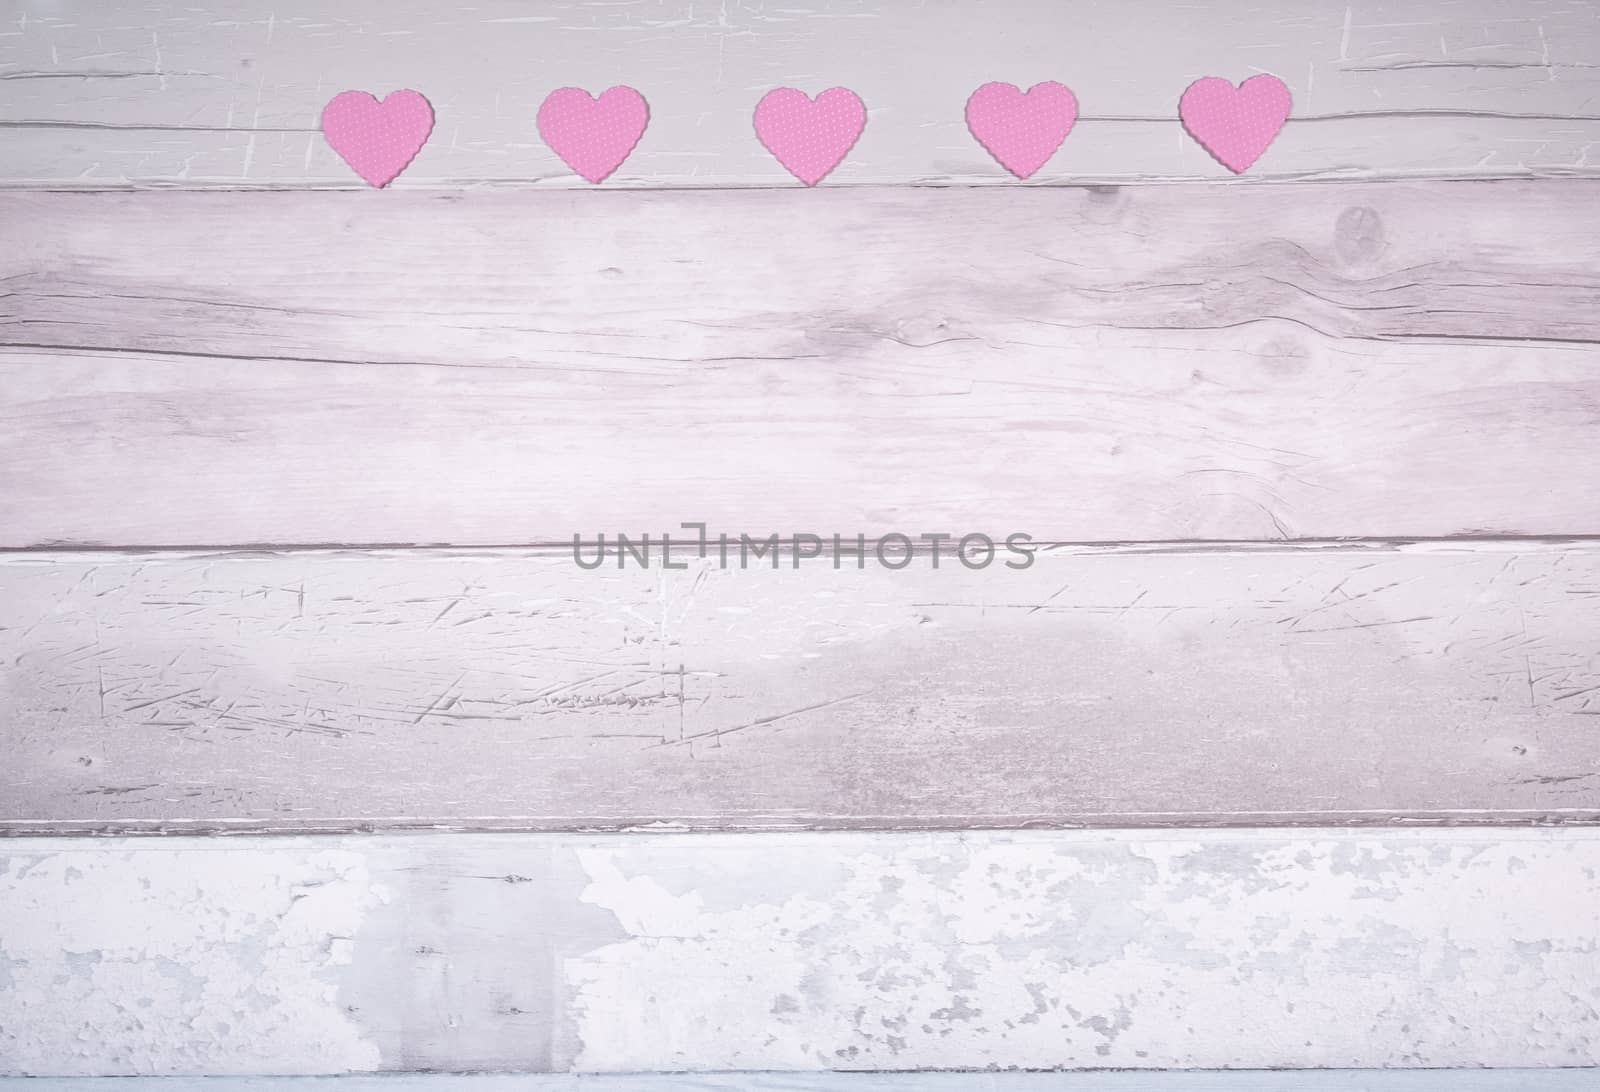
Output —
(325, 690)
(1355, 352)
(1142, 363)
(1141, 950)
(153, 93)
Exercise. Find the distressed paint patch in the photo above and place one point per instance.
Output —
(1312, 1080)
(535, 953)
(189, 960)
(1027, 951)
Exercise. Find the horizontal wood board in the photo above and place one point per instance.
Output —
(1136, 363)
(1308, 1080)
(1080, 950)
(342, 689)
(152, 93)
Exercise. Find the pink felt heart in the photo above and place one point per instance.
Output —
(377, 138)
(1020, 130)
(593, 136)
(809, 137)
(1235, 124)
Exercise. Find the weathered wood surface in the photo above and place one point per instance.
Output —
(228, 94)
(331, 690)
(1225, 361)
(1139, 364)
(1307, 1080)
(715, 952)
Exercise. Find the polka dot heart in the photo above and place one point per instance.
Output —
(810, 136)
(1020, 130)
(593, 136)
(377, 139)
(1235, 124)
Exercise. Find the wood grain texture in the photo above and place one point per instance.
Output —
(1206, 361)
(1144, 363)
(340, 690)
(1309, 1080)
(157, 93)
(805, 952)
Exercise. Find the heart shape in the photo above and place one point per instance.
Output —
(1020, 130)
(809, 137)
(378, 139)
(1235, 124)
(593, 136)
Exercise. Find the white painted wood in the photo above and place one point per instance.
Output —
(1312, 1080)
(329, 690)
(160, 93)
(1139, 950)
(1145, 363)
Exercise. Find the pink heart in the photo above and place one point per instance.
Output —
(1235, 124)
(593, 136)
(1022, 131)
(809, 137)
(377, 138)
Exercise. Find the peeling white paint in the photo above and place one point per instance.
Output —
(553, 953)
(1223, 950)
(190, 960)
(1311, 1080)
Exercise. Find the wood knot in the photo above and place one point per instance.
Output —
(920, 331)
(1358, 234)
(1104, 204)
(1284, 356)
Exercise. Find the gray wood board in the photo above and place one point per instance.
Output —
(631, 953)
(160, 93)
(1142, 363)
(332, 690)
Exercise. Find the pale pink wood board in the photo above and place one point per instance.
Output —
(511, 689)
(1134, 363)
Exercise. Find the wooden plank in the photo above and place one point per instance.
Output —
(1079, 365)
(1143, 950)
(161, 93)
(333, 690)
(1306, 1080)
